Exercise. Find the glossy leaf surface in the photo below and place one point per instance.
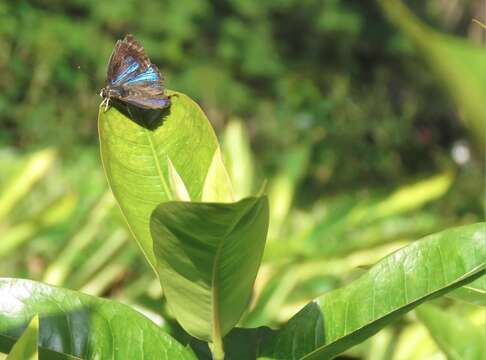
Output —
(76, 325)
(425, 269)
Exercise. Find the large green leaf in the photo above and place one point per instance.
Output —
(135, 149)
(74, 324)
(422, 270)
(26, 347)
(208, 255)
(457, 64)
(456, 337)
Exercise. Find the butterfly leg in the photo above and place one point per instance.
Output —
(105, 103)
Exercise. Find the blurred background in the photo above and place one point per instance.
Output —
(365, 119)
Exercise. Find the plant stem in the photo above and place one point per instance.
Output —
(217, 351)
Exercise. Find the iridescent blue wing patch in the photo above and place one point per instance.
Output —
(132, 78)
(130, 66)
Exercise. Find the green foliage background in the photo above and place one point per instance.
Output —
(332, 74)
(332, 102)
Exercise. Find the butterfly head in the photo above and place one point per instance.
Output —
(109, 92)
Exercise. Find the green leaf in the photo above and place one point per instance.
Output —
(217, 186)
(282, 187)
(420, 271)
(54, 213)
(177, 185)
(473, 293)
(208, 255)
(26, 347)
(135, 148)
(455, 336)
(76, 325)
(239, 158)
(60, 268)
(348, 222)
(457, 64)
(303, 333)
(22, 182)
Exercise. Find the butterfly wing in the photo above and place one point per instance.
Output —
(155, 102)
(128, 58)
(135, 78)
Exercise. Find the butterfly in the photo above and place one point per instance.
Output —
(132, 78)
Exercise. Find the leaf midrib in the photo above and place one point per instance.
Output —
(214, 275)
(167, 191)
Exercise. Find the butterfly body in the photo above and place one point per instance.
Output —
(132, 78)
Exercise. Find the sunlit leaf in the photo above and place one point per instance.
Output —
(282, 187)
(177, 185)
(423, 270)
(50, 215)
(74, 324)
(217, 186)
(60, 268)
(239, 158)
(20, 184)
(350, 224)
(135, 146)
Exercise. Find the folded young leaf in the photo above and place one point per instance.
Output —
(177, 186)
(208, 255)
(74, 325)
(26, 346)
(217, 186)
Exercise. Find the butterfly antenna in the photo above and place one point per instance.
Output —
(106, 101)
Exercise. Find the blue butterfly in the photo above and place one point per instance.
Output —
(132, 78)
